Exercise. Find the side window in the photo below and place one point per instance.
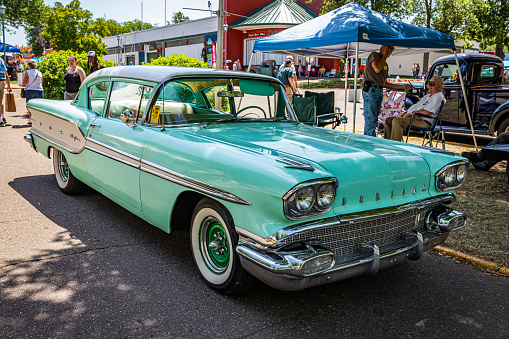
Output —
(173, 105)
(97, 96)
(128, 96)
(448, 72)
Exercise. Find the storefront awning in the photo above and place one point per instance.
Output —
(275, 13)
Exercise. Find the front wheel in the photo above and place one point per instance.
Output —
(213, 242)
(66, 181)
(503, 127)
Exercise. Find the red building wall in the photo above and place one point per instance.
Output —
(235, 38)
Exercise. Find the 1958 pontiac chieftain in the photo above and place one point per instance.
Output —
(222, 154)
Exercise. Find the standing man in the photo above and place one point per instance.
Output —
(286, 75)
(292, 66)
(375, 79)
(3, 80)
(428, 106)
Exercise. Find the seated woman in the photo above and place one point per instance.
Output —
(428, 106)
(321, 71)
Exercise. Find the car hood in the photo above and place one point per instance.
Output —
(371, 172)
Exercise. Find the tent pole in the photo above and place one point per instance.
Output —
(346, 77)
(356, 76)
(250, 61)
(465, 98)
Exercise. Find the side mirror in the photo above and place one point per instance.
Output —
(127, 117)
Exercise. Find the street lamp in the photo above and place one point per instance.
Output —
(118, 49)
(225, 27)
(2, 13)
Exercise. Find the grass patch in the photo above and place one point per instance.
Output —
(325, 83)
(484, 198)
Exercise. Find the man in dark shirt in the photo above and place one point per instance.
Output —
(285, 75)
(375, 80)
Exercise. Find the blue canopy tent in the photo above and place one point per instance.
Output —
(9, 48)
(355, 31)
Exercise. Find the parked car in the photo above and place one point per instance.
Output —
(487, 97)
(222, 154)
(267, 67)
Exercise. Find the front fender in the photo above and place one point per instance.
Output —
(500, 113)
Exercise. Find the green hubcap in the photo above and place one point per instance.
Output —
(214, 245)
(63, 168)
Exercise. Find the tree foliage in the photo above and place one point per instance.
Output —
(71, 27)
(178, 17)
(392, 8)
(488, 23)
(54, 66)
(179, 60)
(26, 13)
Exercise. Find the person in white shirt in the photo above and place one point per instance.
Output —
(32, 79)
(428, 106)
(19, 67)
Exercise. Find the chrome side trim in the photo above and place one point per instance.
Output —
(54, 143)
(162, 172)
(188, 182)
(112, 153)
(343, 219)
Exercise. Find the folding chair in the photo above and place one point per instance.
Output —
(332, 72)
(325, 114)
(431, 133)
(305, 109)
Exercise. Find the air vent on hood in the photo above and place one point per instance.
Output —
(290, 163)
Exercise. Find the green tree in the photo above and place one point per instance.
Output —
(53, 67)
(26, 13)
(71, 28)
(135, 25)
(393, 8)
(179, 60)
(488, 24)
(178, 17)
(33, 39)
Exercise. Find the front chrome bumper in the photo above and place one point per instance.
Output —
(284, 263)
(283, 275)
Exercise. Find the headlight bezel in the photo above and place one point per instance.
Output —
(440, 183)
(290, 210)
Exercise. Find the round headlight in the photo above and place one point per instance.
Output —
(304, 199)
(450, 176)
(461, 173)
(325, 196)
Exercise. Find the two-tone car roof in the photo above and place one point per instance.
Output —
(161, 73)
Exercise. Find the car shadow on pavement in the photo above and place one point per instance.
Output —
(100, 271)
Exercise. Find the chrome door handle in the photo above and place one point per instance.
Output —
(95, 125)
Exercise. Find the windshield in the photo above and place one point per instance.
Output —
(210, 100)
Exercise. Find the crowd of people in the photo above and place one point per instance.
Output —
(33, 79)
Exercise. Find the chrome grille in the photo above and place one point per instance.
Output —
(350, 238)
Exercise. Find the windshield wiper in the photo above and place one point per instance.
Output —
(221, 121)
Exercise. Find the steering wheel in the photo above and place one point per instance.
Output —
(261, 109)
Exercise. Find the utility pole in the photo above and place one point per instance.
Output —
(142, 15)
(165, 22)
(220, 36)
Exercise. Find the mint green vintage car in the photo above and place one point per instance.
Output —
(222, 155)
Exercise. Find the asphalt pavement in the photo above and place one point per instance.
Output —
(83, 267)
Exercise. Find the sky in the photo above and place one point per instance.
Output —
(153, 12)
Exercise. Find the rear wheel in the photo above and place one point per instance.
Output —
(213, 242)
(65, 179)
(503, 127)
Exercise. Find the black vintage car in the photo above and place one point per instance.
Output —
(487, 98)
